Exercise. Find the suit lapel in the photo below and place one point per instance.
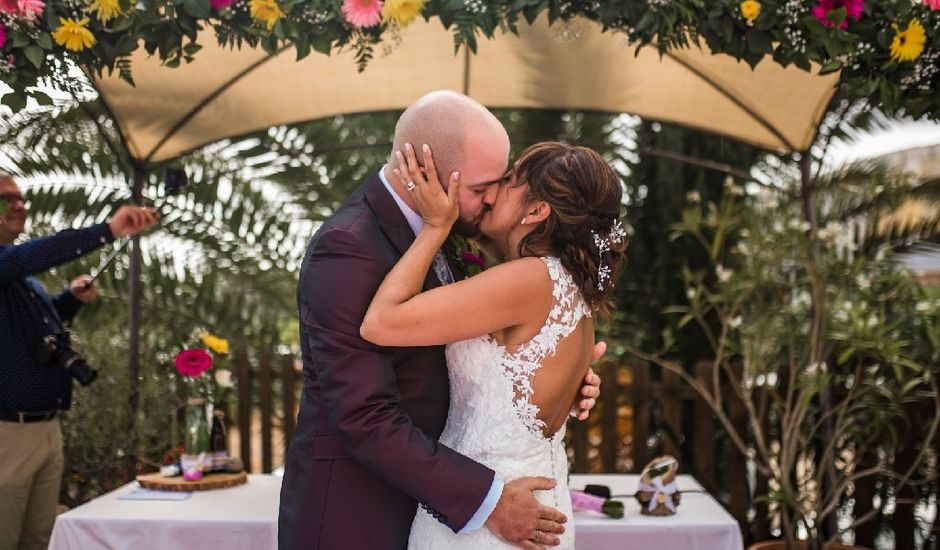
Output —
(392, 222)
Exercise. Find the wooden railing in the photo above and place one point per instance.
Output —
(643, 412)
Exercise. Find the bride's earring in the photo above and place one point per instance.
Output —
(523, 221)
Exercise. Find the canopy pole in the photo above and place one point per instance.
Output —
(133, 339)
(466, 70)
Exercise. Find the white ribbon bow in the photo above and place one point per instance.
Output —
(659, 489)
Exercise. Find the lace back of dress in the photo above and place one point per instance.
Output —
(568, 308)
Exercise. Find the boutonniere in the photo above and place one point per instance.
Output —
(468, 255)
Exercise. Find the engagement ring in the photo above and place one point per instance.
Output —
(411, 186)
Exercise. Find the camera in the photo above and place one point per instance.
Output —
(56, 349)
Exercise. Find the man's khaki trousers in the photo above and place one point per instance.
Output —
(30, 474)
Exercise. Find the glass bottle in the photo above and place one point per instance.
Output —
(218, 438)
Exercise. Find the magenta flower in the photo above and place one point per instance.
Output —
(473, 259)
(220, 4)
(3, 36)
(853, 10)
(362, 13)
(934, 4)
(193, 362)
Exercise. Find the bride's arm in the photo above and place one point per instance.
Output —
(502, 297)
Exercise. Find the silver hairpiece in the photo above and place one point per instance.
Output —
(616, 235)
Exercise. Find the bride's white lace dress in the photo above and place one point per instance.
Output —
(492, 418)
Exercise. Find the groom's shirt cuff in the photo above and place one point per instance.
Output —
(489, 504)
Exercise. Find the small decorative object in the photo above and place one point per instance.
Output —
(581, 500)
(657, 492)
(234, 465)
(170, 470)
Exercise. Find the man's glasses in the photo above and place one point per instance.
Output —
(12, 198)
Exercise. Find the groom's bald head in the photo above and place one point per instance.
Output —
(456, 127)
(464, 136)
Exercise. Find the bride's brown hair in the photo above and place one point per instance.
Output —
(585, 197)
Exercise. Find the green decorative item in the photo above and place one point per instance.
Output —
(888, 52)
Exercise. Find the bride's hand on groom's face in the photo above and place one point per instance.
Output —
(439, 209)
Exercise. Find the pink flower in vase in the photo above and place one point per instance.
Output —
(853, 10)
(220, 4)
(362, 13)
(193, 362)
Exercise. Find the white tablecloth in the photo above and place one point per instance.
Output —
(245, 517)
(238, 518)
(700, 522)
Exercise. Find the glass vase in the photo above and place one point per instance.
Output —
(197, 428)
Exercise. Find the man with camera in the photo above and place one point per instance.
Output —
(37, 363)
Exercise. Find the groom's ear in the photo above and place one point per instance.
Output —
(537, 211)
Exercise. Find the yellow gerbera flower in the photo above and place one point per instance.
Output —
(909, 43)
(74, 35)
(216, 344)
(401, 12)
(750, 10)
(267, 11)
(105, 10)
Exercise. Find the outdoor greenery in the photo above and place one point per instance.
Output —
(887, 52)
(785, 282)
(832, 350)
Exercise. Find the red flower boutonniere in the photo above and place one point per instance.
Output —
(467, 255)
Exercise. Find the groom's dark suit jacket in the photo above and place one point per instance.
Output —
(365, 450)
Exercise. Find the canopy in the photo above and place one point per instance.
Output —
(226, 93)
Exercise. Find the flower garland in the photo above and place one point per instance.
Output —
(887, 52)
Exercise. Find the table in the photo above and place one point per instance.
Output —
(237, 518)
(245, 517)
(700, 522)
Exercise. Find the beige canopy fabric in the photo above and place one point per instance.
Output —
(226, 93)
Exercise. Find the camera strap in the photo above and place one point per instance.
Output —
(30, 297)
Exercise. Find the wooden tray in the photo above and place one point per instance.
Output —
(177, 483)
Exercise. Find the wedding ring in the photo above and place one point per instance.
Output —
(411, 185)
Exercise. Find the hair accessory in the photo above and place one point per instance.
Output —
(616, 235)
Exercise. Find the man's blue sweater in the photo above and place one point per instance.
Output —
(25, 385)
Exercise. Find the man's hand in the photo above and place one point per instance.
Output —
(520, 519)
(84, 294)
(131, 220)
(591, 389)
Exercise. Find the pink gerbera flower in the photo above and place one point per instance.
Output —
(9, 7)
(934, 4)
(362, 13)
(853, 10)
(31, 9)
(220, 4)
(193, 362)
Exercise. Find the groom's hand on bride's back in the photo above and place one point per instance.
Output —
(591, 389)
(520, 519)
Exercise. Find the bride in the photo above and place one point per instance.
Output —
(520, 335)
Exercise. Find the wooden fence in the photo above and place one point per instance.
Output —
(643, 412)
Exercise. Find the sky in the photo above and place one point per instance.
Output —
(906, 135)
